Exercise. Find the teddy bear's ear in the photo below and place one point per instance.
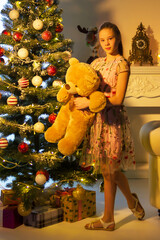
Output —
(73, 61)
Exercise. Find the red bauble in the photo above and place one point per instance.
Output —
(50, 2)
(51, 70)
(5, 32)
(23, 147)
(1, 60)
(59, 28)
(86, 168)
(46, 35)
(52, 118)
(17, 36)
(2, 51)
(44, 172)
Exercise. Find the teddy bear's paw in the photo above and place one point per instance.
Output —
(52, 135)
(66, 147)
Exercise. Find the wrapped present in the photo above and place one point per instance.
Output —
(41, 217)
(11, 217)
(1, 213)
(8, 197)
(55, 200)
(75, 210)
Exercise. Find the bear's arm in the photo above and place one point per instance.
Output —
(63, 95)
(97, 101)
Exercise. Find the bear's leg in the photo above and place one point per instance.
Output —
(75, 133)
(58, 129)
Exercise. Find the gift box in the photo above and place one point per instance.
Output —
(75, 210)
(1, 214)
(8, 197)
(11, 217)
(55, 200)
(41, 217)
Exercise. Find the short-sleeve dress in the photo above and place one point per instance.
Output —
(109, 140)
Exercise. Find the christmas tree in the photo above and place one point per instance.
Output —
(33, 61)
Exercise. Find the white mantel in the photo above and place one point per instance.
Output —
(143, 87)
(143, 105)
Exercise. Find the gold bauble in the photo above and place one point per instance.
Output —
(22, 211)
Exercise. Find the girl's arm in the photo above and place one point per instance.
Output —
(122, 83)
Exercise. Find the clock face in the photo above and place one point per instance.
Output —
(141, 44)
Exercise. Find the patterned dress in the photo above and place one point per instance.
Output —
(109, 141)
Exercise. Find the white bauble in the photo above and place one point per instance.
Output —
(38, 24)
(40, 179)
(23, 53)
(13, 14)
(57, 83)
(37, 81)
(39, 127)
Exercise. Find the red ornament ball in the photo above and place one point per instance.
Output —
(1, 60)
(59, 28)
(3, 143)
(46, 35)
(86, 168)
(52, 118)
(17, 36)
(0, 95)
(23, 82)
(23, 147)
(51, 70)
(2, 51)
(12, 100)
(49, 2)
(5, 32)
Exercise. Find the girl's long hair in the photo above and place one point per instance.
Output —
(116, 32)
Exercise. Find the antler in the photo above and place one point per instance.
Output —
(83, 30)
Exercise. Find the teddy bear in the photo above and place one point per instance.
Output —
(71, 124)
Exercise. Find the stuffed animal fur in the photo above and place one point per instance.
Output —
(71, 124)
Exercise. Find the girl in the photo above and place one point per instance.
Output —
(110, 148)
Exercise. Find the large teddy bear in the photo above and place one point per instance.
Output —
(71, 124)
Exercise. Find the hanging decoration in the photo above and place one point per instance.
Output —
(2, 51)
(14, 14)
(59, 28)
(22, 211)
(17, 36)
(42, 177)
(3, 143)
(51, 70)
(52, 118)
(23, 53)
(23, 147)
(39, 127)
(46, 35)
(38, 24)
(12, 100)
(23, 82)
(37, 81)
(6, 32)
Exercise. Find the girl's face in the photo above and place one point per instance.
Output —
(108, 41)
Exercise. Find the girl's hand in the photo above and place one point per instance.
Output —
(81, 102)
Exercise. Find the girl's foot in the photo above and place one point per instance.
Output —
(100, 225)
(138, 210)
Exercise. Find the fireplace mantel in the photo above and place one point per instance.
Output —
(143, 87)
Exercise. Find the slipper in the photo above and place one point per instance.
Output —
(138, 214)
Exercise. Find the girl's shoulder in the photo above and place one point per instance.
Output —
(97, 61)
(123, 65)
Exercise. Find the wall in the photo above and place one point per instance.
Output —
(127, 14)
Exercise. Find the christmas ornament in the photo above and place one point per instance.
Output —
(1, 60)
(23, 82)
(36, 65)
(57, 83)
(86, 168)
(23, 147)
(39, 127)
(12, 100)
(3, 143)
(79, 193)
(59, 28)
(52, 118)
(51, 70)
(41, 177)
(38, 24)
(18, 4)
(37, 81)
(13, 14)
(23, 53)
(50, 2)
(46, 35)
(2, 51)
(17, 36)
(0, 95)
(22, 211)
(5, 32)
